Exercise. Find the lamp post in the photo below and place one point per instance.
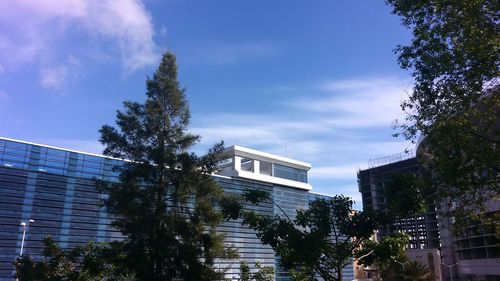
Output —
(25, 226)
(449, 266)
(402, 265)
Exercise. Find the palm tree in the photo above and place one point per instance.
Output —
(416, 271)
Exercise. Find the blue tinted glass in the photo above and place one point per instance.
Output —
(14, 157)
(59, 158)
(56, 152)
(93, 158)
(18, 145)
(59, 165)
(15, 150)
(284, 172)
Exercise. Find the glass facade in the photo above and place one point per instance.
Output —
(289, 173)
(56, 188)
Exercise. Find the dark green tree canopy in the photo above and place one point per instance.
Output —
(165, 201)
(388, 256)
(89, 262)
(408, 194)
(453, 56)
(455, 101)
(320, 240)
(263, 273)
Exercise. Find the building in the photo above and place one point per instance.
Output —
(472, 252)
(422, 229)
(469, 255)
(56, 188)
(429, 257)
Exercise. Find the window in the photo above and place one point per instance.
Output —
(266, 168)
(289, 173)
(247, 164)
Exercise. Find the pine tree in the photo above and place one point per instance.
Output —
(164, 201)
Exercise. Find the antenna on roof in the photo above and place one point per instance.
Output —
(286, 150)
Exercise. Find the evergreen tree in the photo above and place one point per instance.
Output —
(164, 201)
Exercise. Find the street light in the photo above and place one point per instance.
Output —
(450, 266)
(25, 226)
(402, 263)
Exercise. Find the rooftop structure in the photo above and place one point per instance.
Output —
(386, 160)
(261, 166)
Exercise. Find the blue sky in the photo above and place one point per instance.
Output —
(312, 80)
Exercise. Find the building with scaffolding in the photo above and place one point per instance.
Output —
(422, 229)
(467, 255)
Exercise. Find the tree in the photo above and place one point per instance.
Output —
(406, 194)
(454, 103)
(415, 271)
(265, 273)
(386, 256)
(89, 262)
(165, 200)
(320, 240)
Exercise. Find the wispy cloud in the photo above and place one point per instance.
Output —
(228, 53)
(35, 30)
(345, 171)
(59, 76)
(357, 103)
(337, 128)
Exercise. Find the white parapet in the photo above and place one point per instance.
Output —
(261, 166)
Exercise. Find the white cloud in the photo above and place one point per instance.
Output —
(338, 130)
(350, 190)
(357, 103)
(347, 171)
(38, 28)
(358, 83)
(129, 23)
(59, 76)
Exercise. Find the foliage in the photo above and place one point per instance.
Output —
(302, 274)
(320, 240)
(164, 203)
(455, 103)
(263, 273)
(415, 271)
(381, 254)
(90, 262)
(406, 271)
(406, 194)
(388, 257)
(453, 56)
